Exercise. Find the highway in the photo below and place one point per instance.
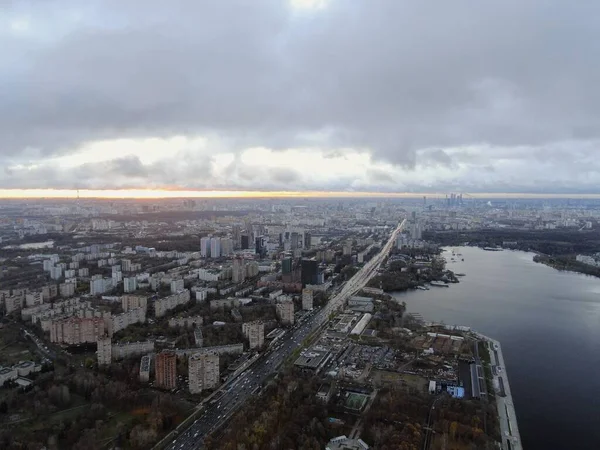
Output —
(220, 409)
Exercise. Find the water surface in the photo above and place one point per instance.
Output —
(549, 325)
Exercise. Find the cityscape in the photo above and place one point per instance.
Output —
(299, 224)
(178, 320)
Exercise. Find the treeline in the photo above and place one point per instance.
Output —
(567, 262)
(549, 242)
(402, 276)
(286, 415)
(84, 409)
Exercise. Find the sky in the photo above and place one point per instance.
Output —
(300, 95)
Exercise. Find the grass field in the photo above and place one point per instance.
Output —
(401, 379)
(356, 401)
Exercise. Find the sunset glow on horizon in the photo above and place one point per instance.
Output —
(175, 193)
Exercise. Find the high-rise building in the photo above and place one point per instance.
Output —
(145, 364)
(285, 312)
(294, 238)
(78, 330)
(255, 333)
(286, 265)
(239, 270)
(306, 240)
(416, 231)
(260, 245)
(129, 284)
(205, 247)
(226, 246)
(245, 242)
(203, 371)
(215, 247)
(134, 301)
(66, 289)
(165, 370)
(307, 299)
(104, 351)
(310, 269)
(236, 235)
(177, 286)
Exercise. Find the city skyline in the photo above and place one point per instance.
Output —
(300, 95)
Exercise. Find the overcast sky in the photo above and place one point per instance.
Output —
(371, 95)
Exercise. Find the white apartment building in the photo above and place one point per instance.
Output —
(67, 289)
(201, 295)
(255, 333)
(100, 285)
(56, 272)
(186, 322)
(145, 363)
(226, 246)
(215, 247)
(49, 291)
(123, 320)
(205, 247)
(70, 273)
(285, 312)
(126, 265)
(129, 284)
(209, 275)
(307, 299)
(13, 303)
(83, 272)
(239, 271)
(162, 305)
(34, 298)
(177, 286)
(104, 351)
(203, 372)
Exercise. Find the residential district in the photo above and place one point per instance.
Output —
(250, 324)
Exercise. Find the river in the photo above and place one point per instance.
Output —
(548, 323)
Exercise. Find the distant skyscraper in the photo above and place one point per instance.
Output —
(309, 272)
(204, 247)
(260, 248)
(294, 238)
(286, 265)
(239, 270)
(245, 241)
(236, 235)
(166, 370)
(215, 247)
(307, 238)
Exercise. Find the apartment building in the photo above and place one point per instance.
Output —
(165, 370)
(255, 333)
(307, 299)
(104, 351)
(77, 330)
(203, 371)
(285, 311)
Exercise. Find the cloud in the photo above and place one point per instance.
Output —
(436, 95)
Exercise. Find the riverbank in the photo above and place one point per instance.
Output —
(509, 429)
(567, 264)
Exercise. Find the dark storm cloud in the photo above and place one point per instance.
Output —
(398, 78)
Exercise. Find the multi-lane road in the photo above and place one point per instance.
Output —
(248, 383)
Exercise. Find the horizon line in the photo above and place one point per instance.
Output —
(25, 194)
